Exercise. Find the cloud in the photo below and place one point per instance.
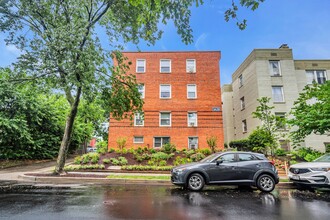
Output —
(200, 40)
(13, 50)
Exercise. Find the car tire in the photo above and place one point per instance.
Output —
(195, 182)
(265, 183)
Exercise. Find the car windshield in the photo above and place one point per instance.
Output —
(324, 158)
(209, 158)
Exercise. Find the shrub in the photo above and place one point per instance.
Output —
(111, 150)
(160, 156)
(102, 147)
(168, 148)
(307, 154)
(77, 160)
(139, 150)
(206, 152)
(212, 143)
(151, 162)
(94, 157)
(197, 157)
(114, 161)
(85, 159)
(152, 151)
(162, 163)
(179, 160)
(106, 161)
(189, 153)
(121, 142)
(280, 152)
(145, 168)
(241, 145)
(122, 161)
(327, 148)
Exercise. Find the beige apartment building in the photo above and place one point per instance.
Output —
(272, 73)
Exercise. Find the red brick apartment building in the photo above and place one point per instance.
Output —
(182, 98)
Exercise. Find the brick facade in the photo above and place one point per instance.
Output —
(207, 81)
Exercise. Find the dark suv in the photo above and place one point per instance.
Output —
(228, 168)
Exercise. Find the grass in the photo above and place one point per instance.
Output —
(139, 177)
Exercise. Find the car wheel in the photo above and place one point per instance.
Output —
(266, 183)
(195, 182)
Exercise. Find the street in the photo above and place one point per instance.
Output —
(161, 202)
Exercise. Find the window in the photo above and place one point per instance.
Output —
(245, 157)
(191, 91)
(165, 91)
(280, 120)
(274, 67)
(240, 80)
(193, 143)
(141, 90)
(244, 126)
(165, 119)
(165, 66)
(192, 119)
(140, 66)
(138, 119)
(191, 66)
(277, 92)
(227, 158)
(319, 76)
(242, 103)
(160, 141)
(138, 139)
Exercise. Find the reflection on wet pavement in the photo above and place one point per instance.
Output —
(159, 202)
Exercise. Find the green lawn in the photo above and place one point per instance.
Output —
(139, 177)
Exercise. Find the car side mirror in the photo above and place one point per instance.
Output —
(220, 161)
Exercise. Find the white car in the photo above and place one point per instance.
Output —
(311, 174)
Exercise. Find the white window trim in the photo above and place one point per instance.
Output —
(160, 65)
(160, 119)
(188, 123)
(282, 92)
(161, 141)
(137, 142)
(144, 65)
(271, 68)
(135, 121)
(194, 71)
(240, 80)
(193, 137)
(144, 90)
(195, 91)
(242, 100)
(243, 127)
(160, 91)
(315, 75)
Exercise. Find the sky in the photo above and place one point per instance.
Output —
(302, 24)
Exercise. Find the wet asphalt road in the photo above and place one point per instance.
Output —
(159, 202)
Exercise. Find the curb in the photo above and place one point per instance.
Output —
(117, 181)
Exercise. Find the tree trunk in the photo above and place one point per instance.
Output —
(67, 135)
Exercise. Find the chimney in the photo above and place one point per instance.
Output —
(284, 46)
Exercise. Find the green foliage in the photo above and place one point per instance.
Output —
(307, 154)
(327, 148)
(311, 112)
(94, 157)
(260, 140)
(168, 148)
(106, 161)
(121, 142)
(241, 145)
(145, 168)
(197, 157)
(111, 150)
(189, 153)
(181, 160)
(115, 161)
(162, 163)
(84, 167)
(206, 152)
(160, 156)
(152, 151)
(102, 147)
(280, 152)
(77, 160)
(119, 162)
(212, 142)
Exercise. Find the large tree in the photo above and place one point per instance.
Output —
(311, 112)
(61, 45)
